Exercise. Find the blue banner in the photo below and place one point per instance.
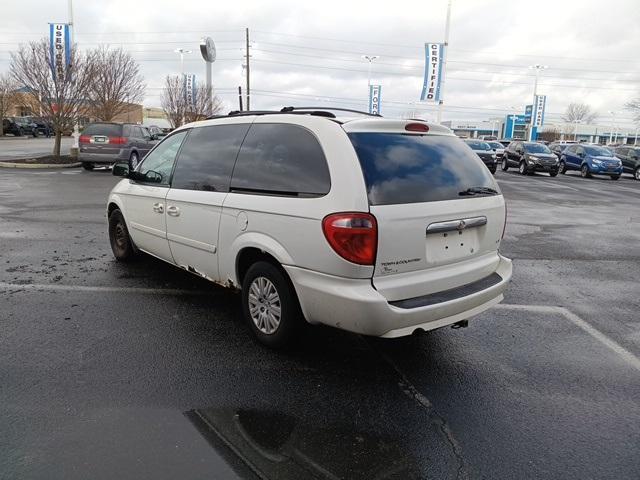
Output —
(539, 107)
(434, 58)
(375, 97)
(60, 49)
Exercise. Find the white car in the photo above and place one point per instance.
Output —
(375, 226)
(497, 147)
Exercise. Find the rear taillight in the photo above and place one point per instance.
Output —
(118, 140)
(85, 139)
(504, 227)
(353, 236)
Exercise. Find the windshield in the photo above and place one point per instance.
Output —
(495, 145)
(477, 145)
(536, 148)
(401, 168)
(597, 151)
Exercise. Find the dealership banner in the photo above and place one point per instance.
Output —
(538, 110)
(190, 90)
(375, 96)
(434, 54)
(60, 49)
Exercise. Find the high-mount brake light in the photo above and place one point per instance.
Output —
(416, 127)
(353, 236)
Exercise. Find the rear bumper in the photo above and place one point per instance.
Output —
(106, 158)
(354, 305)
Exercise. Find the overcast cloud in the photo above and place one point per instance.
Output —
(309, 53)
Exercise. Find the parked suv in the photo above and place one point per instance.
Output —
(104, 143)
(530, 157)
(630, 158)
(590, 159)
(19, 126)
(558, 147)
(380, 227)
(485, 152)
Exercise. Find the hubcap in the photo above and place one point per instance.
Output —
(522, 168)
(637, 174)
(264, 305)
(120, 235)
(134, 160)
(504, 164)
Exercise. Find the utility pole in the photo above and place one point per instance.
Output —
(444, 60)
(248, 71)
(537, 68)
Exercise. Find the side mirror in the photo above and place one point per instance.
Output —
(581, 154)
(120, 169)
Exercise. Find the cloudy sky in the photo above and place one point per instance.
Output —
(310, 53)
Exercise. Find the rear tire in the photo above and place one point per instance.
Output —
(523, 168)
(121, 243)
(505, 165)
(87, 166)
(133, 160)
(584, 171)
(270, 305)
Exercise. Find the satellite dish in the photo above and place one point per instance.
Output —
(208, 49)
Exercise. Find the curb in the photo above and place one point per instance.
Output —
(38, 165)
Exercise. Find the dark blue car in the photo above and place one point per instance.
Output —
(590, 159)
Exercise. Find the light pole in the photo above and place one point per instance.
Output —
(613, 115)
(537, 67)
(182, 52)
(575, 131)
(635, 141)
(370, 59)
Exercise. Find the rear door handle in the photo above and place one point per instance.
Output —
(158, 207)
(173, 211)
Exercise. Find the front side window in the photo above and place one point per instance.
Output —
(206, 160)
(158, 164)
(281, 159)
(404, 168)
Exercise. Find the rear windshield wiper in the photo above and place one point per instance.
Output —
(478, 191)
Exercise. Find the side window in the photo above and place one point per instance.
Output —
(580, 150)
(206, 160)
(281, 159)
(158, 164)
(144, 132)
(126, 131)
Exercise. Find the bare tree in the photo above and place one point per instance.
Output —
(8, 96)
(115, 84)
(580, 113)
(549, 134)
(61, 97)
(175, 106)
(634, 106)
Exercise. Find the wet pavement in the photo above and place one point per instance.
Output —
(29, 147)
(145, 371)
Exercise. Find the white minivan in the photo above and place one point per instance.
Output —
(376, 226)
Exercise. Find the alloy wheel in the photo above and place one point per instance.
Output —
(264, 305)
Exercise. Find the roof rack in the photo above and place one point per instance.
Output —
(316, 111)
(327, 110)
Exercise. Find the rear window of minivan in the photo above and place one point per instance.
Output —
(404, 168)
(106, 129)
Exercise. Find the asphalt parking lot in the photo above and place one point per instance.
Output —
(144, 371)
(29, 147)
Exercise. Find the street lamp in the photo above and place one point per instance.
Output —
(370, 59)
(613, 126)
(182, 52)
(575, 134)
(537, 67)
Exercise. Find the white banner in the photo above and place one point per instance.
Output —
(60, 49)
(538, 110)
(434, 53)
(375, 96)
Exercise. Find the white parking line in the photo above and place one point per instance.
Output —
(612, 345)
(99, 289)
